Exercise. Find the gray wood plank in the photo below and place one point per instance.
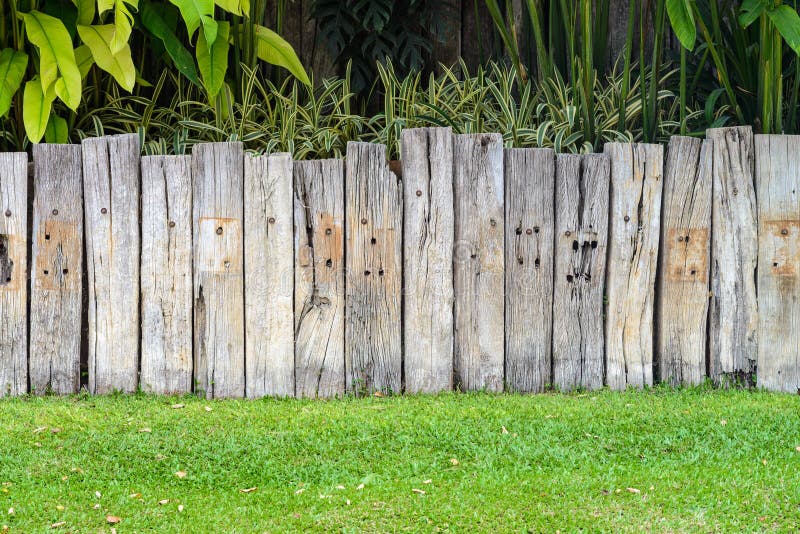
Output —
(635, 207)
(56, 269)
(733, 315)
(269, 275)
(217, 211)
(319, 278)
(478, 262)
(682, 285)
(581, 234)
(529, 226)
(427, 160)
(777, 164)
(374, 227)
(166, 270)
(13, 273)
(111, 186)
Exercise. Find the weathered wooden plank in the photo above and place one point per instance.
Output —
(635, 208)
(319, 278)
(111, 189)
(777, 164)
(13, 273)
(374, 227)
(682, 286)
(56, 269)
(529, 224)
(581, 234)
(733, 315)
(427, 160)
(166, 270)
(478, 262)
(269, 271)
(217, 210)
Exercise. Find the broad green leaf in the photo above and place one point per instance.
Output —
(682, 21)
(750, 10)
(119, 64)
(83, 56)
(237, 7)
(56, 130)
(56, 57)
(158, 26)
(273, 49)
(36, 106)
(787, 21)
(12, 70)
(195, 13)
(213, 60)
(85, 11)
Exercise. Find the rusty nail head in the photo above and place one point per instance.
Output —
(735, 191)
(104, 211)
(419, 193)
(327, 231)
(272, 220)
(363, 221)
(567, 233)
(626, 218)
(493, 222)
(8, 213)
(172, 224)
(219, 231)
(55, 212)
(680, 239)
(784, 231)
(529, 231)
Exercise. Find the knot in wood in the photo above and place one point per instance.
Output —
(493, 222)
(8, 213)
(327, 231)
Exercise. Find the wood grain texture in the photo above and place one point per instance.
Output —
(634, 229)
(217, 211)
(56, 269)
(427, 159)
(529, 226)
(269, 272)
(682, 285)
(13, 273)
(319, 278)
(166, 270)
(374, 227)
(111, 190)
(777, 165)
(581, 234)
(478, 262)
(733, 315)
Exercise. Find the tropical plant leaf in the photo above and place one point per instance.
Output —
(12, 70)
(119, 65)
(83, 56)
(273, 49)
(123, 20)
(36, 106)
(85, 11)
(682, 21)
(750, 10)
(213, 59)
(237, 7)
(56, 130)
(56, 56)
(158, 26)
(196, 13)
(787, 21)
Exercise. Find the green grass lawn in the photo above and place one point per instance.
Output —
(691, 460)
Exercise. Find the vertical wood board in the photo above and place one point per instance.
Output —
(374, 228)
(269, 275)
(478, 262)
(166, 271)
(217, 211)
(634, 228)
(529, 225)
(56, 269)
(319, 278)
(581, 234)
(427, 159)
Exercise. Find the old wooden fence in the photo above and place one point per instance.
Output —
(465, 265)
